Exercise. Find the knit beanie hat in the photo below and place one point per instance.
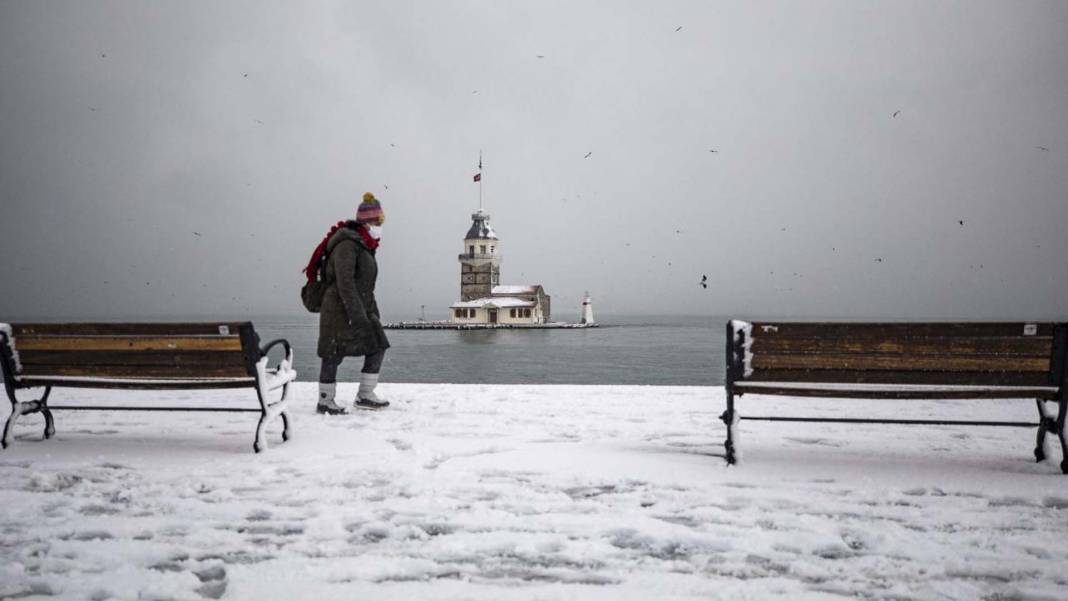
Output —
(370, 211)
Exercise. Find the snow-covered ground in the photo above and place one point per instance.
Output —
(530, 492)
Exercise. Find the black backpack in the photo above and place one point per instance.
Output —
(311, 294)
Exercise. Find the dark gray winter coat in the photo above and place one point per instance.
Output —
(349, 323)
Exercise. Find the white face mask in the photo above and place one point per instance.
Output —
(375, 231)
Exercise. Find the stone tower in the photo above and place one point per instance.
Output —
(480, 263)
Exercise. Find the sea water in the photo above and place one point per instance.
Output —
(654, 350)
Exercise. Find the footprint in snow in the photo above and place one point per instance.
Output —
(1055, 502)
(400, 445)
(258, 515)
(1010, 502)
(815, 441)
(87, 535)
(213, 582)
(94, 509)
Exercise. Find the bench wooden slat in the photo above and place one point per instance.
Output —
(127, 343)
(126, 329)
(862, 330)
(986, 378)
(902, 362)
(145, 385)
(1029, 346)
(103, 358)
(1001, 393)
(137, 371)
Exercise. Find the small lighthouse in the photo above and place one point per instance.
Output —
(587, 311)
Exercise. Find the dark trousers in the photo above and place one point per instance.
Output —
(372, 364)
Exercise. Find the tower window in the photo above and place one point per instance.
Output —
(526, 312)
(459, 313)
(471, 249)
(482, 248)
(492, 248)
(511, 312)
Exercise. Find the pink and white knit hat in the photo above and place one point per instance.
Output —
(370, 211)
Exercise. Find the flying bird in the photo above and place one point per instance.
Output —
(102, 55)
(92, 108)
(896, 113)
(1042, 148)
(712, 150)
(679, 28)
(474, 91)
(387, 187)
(961, 222)
(258, 121)
(704, 281)
(879, 260)
(541, 56)
(246, 75)
(588, 154)
(196, 233)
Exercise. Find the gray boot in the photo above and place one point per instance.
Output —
(326, 400)
(366, 397)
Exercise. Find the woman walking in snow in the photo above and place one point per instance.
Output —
(349, 323)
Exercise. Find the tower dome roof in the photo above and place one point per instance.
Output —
(480, 227)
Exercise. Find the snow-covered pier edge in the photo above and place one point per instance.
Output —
(448, 325)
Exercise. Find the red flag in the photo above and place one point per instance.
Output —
(478, 177)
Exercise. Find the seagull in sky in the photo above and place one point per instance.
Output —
(678, 29)
(588, 154)
(712, 150)
(1042, 148)
(896, 113)
(704, 281)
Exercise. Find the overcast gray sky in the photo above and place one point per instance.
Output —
(173, 159)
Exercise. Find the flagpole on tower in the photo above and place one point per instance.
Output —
(478, 180)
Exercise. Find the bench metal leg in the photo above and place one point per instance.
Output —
(730, 418)
(285, 416)
(270, 411)
(20, 408)
(1046, 423)
(1062, 414)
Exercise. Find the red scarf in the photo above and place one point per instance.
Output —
(312, 270)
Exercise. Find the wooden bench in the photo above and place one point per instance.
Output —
(900, 361)
(142, 356)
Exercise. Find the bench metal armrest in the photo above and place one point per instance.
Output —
(285, 344)
(284, 372)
